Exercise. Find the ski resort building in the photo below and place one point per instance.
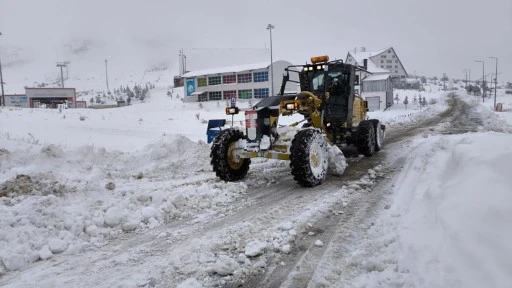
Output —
(252, 81)
(44, 98)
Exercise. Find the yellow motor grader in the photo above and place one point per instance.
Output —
(333, 115)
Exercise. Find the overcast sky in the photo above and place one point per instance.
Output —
(430, 37)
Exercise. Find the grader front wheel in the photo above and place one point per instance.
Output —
(309, 158)
(226, 165)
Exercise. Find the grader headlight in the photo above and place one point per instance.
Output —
(232, 110)
(292, 106)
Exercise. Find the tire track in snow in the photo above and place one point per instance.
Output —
(302, 263)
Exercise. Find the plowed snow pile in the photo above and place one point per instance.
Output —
(56, 201)
(451, 217)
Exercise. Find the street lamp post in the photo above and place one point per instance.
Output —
(270, 27)
(465, 78)
(495, 80)
(483, 79)
(2, 82)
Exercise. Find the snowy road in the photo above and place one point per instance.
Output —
(263, 232)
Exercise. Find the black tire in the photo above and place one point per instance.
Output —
(309, 157)
(379, 134)
(366, 138)
(225, 166)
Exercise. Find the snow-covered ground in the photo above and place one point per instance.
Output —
(83, 181)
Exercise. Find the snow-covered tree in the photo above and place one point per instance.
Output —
(397, 98)
(406, 101)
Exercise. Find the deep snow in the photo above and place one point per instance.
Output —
(127, 171)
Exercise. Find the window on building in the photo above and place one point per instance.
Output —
(381, 61)
(245, 94)
(260, 76)
(381, 66)
(229, 94)
(396, 71)
(396, 66)
(214, 80)
(389, 51)
(229, 79)
(244, 78)
(389, 61)
(382, 56)
(261, 93)
(394, 56)
(215, 95)
(389, 66)
(201, 82)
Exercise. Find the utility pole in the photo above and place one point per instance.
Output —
(495, 80)
(182, 62)
(2, 82)
(106, 75)
(466, 78)
(444, 80)
(270, 27)
(483, 79)
(61, 65)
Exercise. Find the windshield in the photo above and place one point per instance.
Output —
(319, 79)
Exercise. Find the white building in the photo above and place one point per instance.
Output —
(243, 82)
(380, 61)
(385, 70)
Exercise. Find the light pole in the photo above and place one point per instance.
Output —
(466, 75)
(483, 79)
(495, 80)
(106, 76)
(2, 82)
(270, 27)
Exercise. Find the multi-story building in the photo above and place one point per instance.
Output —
(385, 71)
(243, 82)
(378, 62)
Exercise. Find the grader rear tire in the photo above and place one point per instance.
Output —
(225, 165)
(309, 158)
(366, 138)
(379, 134)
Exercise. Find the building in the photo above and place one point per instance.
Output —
(385, 72)
(43, 98)
(378, 62)
(250, 81)
(377, 89)
(16, 100)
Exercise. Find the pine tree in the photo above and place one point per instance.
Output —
(92, 100)
(397, 98)
(406, 101)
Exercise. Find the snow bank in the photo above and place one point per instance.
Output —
(53, 199)
(454, 203)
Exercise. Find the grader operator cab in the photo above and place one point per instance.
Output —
(333, 115)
